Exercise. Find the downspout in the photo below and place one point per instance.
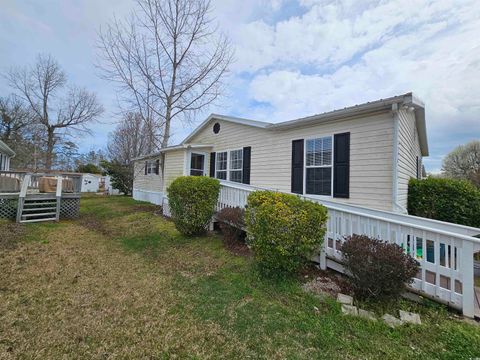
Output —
(396, 126)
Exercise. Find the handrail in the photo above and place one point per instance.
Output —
(25, 184)
(420, 223)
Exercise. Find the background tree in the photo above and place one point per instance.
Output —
(17, 130)
(464, 163)
(89, 168)
(169, 57)
(59, 109)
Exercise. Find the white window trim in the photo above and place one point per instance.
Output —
(228, 169)
(319, 166)
(204, 161)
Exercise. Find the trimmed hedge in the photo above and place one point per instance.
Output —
(379, 270)
(455, 201)
(192, 201)
(283, 230)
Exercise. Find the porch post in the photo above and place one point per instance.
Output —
(468, 291)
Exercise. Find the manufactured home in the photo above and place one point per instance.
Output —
(362, 155)
(5, 155)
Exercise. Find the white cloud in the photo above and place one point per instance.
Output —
(339, 53)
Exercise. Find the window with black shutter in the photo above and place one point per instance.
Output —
(341, 165)
(297, 166)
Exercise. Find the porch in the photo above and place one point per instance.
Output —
(444, 250)
(33, 197)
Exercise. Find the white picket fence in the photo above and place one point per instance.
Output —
(444, 250)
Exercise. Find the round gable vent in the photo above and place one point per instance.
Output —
(216, 128)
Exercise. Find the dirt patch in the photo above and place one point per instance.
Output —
(10, 233)
(326, 282)
(238, 248)
(147, 208)
(93, 223)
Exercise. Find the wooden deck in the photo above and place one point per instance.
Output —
(33, 197)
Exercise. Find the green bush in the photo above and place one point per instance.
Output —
(455, 201)
(283, 230)
(379, 270)
(192, 202)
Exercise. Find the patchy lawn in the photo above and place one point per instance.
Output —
(121, 283)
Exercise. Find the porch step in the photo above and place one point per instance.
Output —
(39, 203)
(37, 220)
(24, 216)
(40, 208)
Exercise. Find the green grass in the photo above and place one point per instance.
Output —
(121, 282)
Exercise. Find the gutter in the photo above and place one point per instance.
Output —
(396, 126)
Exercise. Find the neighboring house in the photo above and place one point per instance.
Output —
(5, 155)
(364, 154)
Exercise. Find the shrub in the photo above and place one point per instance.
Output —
(192, 201)
(455, 201)
(378, 269)
(283, 230)
(231, 222)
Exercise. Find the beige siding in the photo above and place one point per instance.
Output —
(408, 151)
(150, 182)
(370, 154)
(174, 166)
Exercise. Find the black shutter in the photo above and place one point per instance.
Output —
(247, 154)
(212, 164)
(157, 167)
(341, 165)
(297, 166)
(146, 166)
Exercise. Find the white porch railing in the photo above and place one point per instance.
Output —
(444, 250)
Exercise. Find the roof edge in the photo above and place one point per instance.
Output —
(6, 149)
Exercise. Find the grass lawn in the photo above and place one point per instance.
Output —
(122, 283)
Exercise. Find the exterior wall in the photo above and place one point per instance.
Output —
(408, 150)
(174, 166)
(371, 152)
(147, 187)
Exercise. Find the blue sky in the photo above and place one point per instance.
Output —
(293, 58)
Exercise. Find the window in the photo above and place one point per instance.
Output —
(151, 167)
(221, 165)
(236, 165)
(318, 166)
(197, 164)
(229, 165)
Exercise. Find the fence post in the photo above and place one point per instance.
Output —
(468, 291)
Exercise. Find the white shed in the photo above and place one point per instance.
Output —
(91, 182)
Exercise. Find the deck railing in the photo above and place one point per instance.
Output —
(72, 183)
(444, 250)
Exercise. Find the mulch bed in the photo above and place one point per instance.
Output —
(324, 282)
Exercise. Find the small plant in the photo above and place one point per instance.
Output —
(456, 201)
(283, 230)
(231, 222)
(379, 270)
(192, 201)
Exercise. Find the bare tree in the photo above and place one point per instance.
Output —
(463, 162)
(129, 139)
(169, 57)
(58, 108)
(15, 118)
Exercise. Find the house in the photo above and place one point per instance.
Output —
(361, 155)
(5, 155)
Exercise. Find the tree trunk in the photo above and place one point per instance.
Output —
(50, 145)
